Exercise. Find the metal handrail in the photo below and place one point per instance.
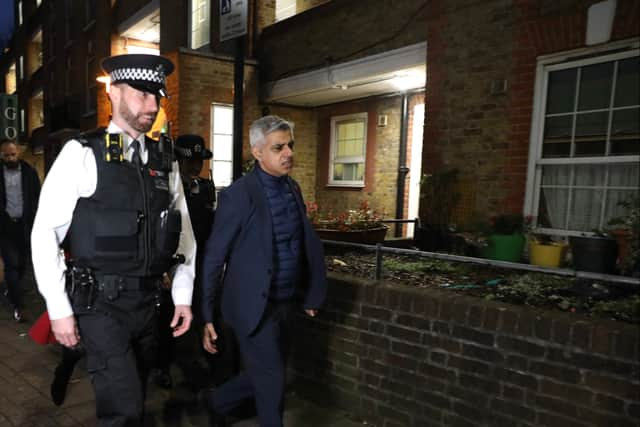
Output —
(379, 249)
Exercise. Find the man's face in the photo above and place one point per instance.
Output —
(276, 155)
(191, 167)
(134, 110)
(10, 155)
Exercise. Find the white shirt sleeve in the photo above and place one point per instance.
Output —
(73, 175)
(182, 285)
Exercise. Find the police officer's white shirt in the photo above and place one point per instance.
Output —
(74, 175)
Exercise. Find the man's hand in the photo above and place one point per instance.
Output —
(66, 331)
(181, 321)
(311, 312)
(209, 338)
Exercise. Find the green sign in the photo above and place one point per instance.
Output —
(9, 125)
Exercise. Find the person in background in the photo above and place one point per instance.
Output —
(19, 193)
(120, 197)
(271, 257)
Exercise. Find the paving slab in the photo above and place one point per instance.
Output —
(26, 371)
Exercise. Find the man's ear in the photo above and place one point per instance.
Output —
(256, 152)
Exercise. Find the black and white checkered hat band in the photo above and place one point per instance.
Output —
(142, 74)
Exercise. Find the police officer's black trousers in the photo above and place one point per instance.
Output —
(13, 249)
(120, 340)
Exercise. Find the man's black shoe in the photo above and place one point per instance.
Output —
(59, 385)
(205, 398)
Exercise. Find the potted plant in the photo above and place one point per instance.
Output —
(596, 252)
(545, 251)
(626, 230)
(505, 239)
(362, 225)
(439, 198)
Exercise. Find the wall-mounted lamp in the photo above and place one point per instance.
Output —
(106, 80)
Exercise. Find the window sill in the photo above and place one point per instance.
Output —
(345, 186)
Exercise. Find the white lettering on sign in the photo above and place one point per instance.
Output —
(10, 113)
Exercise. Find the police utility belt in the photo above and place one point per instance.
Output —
(83, 285)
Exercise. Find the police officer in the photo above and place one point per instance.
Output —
(120, 196)
(200, 194)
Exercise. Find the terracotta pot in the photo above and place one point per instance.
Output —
(368, 237)
(623, 239)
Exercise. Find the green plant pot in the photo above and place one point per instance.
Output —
(505, 247)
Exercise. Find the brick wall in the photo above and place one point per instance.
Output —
(404, 356)
(383, 147)
(474, 45)
(338, 31)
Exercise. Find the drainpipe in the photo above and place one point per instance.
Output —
(238, 95)
(403, 170)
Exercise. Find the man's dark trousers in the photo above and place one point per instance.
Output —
(119, 337)
(13, 248)
(264, 353)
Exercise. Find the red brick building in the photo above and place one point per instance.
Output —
(534, 102)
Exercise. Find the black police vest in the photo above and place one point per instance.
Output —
(128, 226)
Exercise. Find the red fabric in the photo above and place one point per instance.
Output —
(40, 332)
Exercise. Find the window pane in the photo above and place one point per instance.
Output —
(337, 171)
(595, 86)
(585, 209)
(199, 23)
(552, 209)
(222, 173)
(557, 136)
(561, 94)
(589, 175)
(614, 198)
(624, 175)
(555, 175)
(628, 83)
(625, 132)
(223, 147)
(591, 131)
(222, 119)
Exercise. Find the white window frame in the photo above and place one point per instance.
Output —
(334, 122)
(554, 62)
(214, 160)
(202, 27)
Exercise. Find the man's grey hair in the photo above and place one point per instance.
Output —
(264, 126)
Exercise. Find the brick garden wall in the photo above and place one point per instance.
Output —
(404, 356)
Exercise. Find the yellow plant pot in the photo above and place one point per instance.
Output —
(547, 255)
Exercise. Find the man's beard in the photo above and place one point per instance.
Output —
(134, 120)
(12, 164)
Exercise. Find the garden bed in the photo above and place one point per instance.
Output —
(570, 294)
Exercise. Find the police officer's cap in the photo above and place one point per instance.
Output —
(143, 72)
(191, 147)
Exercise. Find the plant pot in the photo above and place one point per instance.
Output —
(505, 247)
(369, 237)
(623, 239)
(547, 254)
(431, 238)
(594, 254)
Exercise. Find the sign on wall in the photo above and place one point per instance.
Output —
(233, 19)
(9, 125)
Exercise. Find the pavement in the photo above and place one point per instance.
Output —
(26, 371)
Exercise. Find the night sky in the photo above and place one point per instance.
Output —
(6, 22)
